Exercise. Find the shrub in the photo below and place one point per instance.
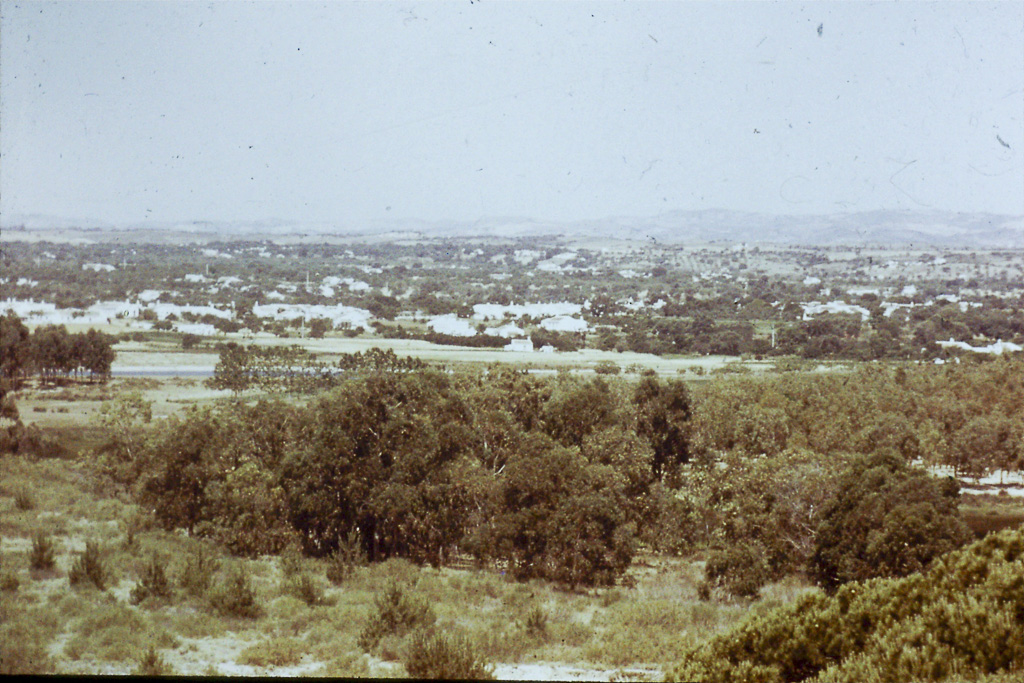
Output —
(307, 589)
(961, 620)
(23, 645)
(740, 570)
(888, 519)
(396, 614)
(90, 568)
(290, 560)
(23, 500)
(197, 575)
(348, 665)
(536, 623)
(153, 583)
(152, 664)
(276, 652)
(437, 656)
(345, 559)
(236, 597)
(607, 367)
(114, 632)
(42, 556)
(9, 581)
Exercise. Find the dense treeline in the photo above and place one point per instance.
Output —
(566, 478)
(51, 352)
(294, 369)
(550, 479)
(962, 619)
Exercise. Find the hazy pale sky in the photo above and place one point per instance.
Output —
(347, 111)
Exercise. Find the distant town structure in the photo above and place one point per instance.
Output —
(520, 345)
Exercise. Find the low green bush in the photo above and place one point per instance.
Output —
(349, 555)
(196, 576)
(235, 596)
(23, 500)
(9, 581)
(536, 623)
(90, 568)
(153, 583)
(307, 589)
(396, 613)
(439, 656)
(42, 556)
(152, 664)
(24, 643)
(274, 652)
(116, 633)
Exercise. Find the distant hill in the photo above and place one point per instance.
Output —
(932, 228)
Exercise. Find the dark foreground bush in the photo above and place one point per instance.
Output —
(962, 620)
(440, 657)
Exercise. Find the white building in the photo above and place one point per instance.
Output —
(520, 345)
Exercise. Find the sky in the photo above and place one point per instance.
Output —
(143, 112)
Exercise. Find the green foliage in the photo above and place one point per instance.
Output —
(439, 656)
(536, 623)
(396, 614)
(9, 581)
(42, 554)
(307, 589)
(560, 518)
(349, 555)
(152, 664)
(274, 652)
(123, 421)
(760, 516)
(236, 596)
(196, 576)
(153, 583)
(887, 519)
(961, 620)
(114, 632)
(662, 416)
(25, 636)
(90, 568)
(23, 500)
(607, 367)
(741, 569)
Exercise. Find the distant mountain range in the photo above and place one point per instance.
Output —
(932, 228)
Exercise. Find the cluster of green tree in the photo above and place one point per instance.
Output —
(969, 416)
(295, 369)
(564, 478)
(962, 619)
(554, 479)
(51, 352)
(833, 519)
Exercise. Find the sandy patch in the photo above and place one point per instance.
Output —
(554, 671)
